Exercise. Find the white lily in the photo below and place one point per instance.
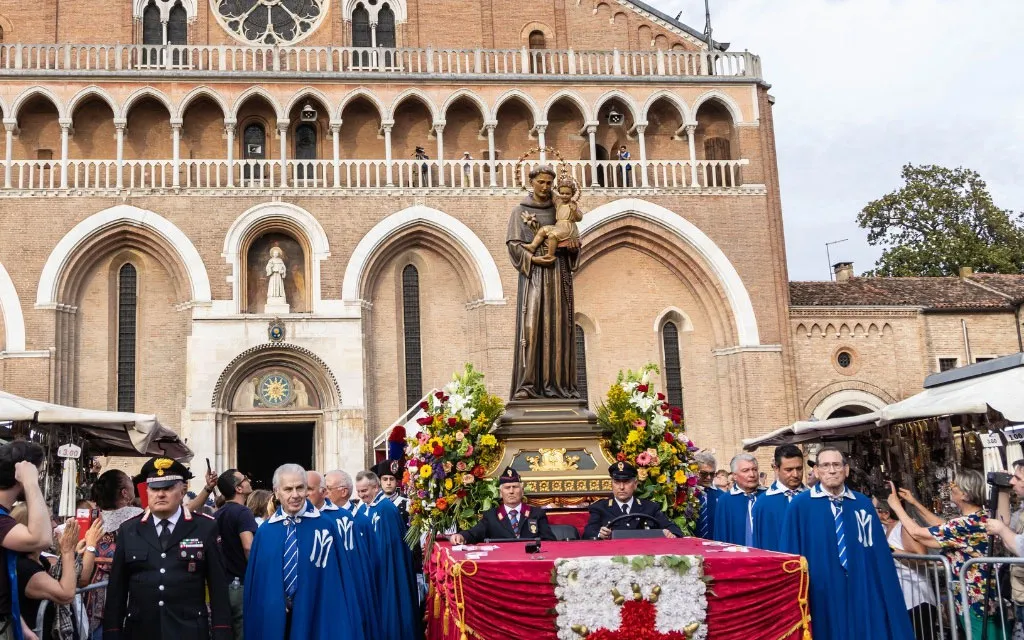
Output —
(658, 424)
(643, 402)
(467, 413)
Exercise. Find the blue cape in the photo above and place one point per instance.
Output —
(768, 513)
(399, 614)
(731, 517)
(708, 503)
(864, 601)
(357, 534)
(328, 573)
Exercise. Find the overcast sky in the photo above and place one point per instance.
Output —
(865, 86)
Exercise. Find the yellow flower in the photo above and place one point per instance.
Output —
(633, 437)
(448, 484)
(662, 478)
(488, 440)
(426, 471)
(679, 477)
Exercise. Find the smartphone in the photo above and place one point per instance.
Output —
(209, 469)
(84, 518)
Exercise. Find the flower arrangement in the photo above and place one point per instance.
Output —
(449, 458)
(643, 430)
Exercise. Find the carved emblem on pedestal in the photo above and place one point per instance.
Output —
(553, 460)
(275, 330)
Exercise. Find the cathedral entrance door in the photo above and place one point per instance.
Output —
(264, 446)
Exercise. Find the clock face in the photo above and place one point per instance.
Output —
(269, 22)
(275, 390)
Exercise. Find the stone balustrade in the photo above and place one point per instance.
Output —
(155, 176)
(192, 60)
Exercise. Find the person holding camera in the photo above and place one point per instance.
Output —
(1013, 537)
(961, 539)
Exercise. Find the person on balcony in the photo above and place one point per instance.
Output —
(627, 171)
(424, 167)
(511, 519)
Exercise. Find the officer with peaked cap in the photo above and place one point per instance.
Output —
(512, 519)
(164, 563)
(390, 473)
(624, 503)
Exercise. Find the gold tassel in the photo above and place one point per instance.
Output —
(446, 621)
(437, 603)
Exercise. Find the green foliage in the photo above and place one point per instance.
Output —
(942, 219)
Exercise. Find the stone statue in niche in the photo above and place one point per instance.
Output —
(294, 281)
(277, 270)
(301, 395)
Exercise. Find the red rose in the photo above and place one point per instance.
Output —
(621, 457)
(461, 493)
(452, 422)
(478, 471)
(669, 438)
(661, 396)
(642, 388)
(444, 398)
(425, 406)
(425, 421)
(438, 450)
(439, 394)
(665, 406)
(680, 497)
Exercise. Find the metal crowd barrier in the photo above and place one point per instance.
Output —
(926, 579)
(79, 614)
(1005, 630)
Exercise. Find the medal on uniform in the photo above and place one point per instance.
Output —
(191, 567)
(533, 527)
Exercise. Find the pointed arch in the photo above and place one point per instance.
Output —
(122, 215)
(463, 236)
(626, 100)
(472, 97)
(198, 93)
(411, 93)
(684, 111)
(674, 314)
(34, 92)
(263, 93)
(10, 311)
(370, 96)
(573, 97)
(307, 92)
(146, 92)
(92, 91)
(525, 98)
(718, 264)
(725, 99)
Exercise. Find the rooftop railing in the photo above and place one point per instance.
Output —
(238, 59)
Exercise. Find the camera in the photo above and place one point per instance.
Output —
(999, 479)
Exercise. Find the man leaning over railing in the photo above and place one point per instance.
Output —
(1013, 539)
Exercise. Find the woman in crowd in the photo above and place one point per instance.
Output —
(113, 494)
(35, 583)
(918, 594)
(961, 539)
(261, 503)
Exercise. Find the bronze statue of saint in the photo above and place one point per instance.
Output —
(544, 365)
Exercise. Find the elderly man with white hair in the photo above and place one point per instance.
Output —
(299, 567)
(708, 494)
(339, 487)
(734, 515)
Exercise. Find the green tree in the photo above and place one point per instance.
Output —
(942, 219)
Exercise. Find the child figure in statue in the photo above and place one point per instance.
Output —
(567, 214)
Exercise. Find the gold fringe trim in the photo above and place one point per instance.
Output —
(792, 566)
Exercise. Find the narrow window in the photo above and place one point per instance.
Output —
(1, 34)
(361, 27)
(537, 59)
(305, 149)
(411, 324)
(673, 369)
(254, 148)
(386, 28)
(945, 364)
(127, 292)
(152, 30)
(581, 364)
(177, 25)
(537, 40)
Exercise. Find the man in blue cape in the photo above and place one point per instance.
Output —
(771, 507)
(734, 515)
(298, 570)
(708, 495)
(399, 615)
(854, 589)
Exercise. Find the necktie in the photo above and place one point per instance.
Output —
(703, 520)
(291, 560)
(625, 508)
(748, 534)
(789, 494)
(513, 519)
(165, 533)
(837, 512)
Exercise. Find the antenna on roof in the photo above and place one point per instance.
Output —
(678, 15)
(828, 255)
(707, 26)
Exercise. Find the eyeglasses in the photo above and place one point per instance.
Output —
(830, 466)
(706, 474)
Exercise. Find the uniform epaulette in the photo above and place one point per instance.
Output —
(207, 516)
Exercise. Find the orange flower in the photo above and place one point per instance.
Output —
(442, 504)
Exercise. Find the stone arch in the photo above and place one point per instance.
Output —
(726, 101)
(838, 399)
(34, 92)
(724, 273)
(92, 91)
(13, 317)
(263, 93)
(370, 96)
(626, 100)
(472, 97)
(262, 217)
(189, 5)
(414, 93)
(289, 355)
(573, 97)
(168, 240)
(398, 6)
(525, 98)
(478, 258)
(673, 314)
(146, 92)
(202, 92)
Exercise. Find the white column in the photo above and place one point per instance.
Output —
(690, 130)
(439, 130)
(592, 134)
(176, 150)
(229, 133)
(373, 34)
(119, 127)
(387, 151)
(640, 128)
(65, 130)
(282, 132)
(10, 124)
(336, 143)
(490, 152)
(542, 142)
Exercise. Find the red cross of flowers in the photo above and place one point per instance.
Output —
(637, 620)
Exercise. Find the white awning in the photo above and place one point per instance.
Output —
(807, 430)
(1002, 391)
(111, 432)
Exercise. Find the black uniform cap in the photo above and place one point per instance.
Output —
(622, 471)
(162, 472)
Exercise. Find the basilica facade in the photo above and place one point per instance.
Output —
(284, 221)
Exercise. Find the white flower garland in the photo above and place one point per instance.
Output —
(583, 587)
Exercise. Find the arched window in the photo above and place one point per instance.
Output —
(411, 325)
(177, 25)
(1, 34)
(152, 29)
(127, 296)
(254, 147)
(717, 149)
(361, 27)
(305, 149)
(581, 363)
(386, 28)
(673, 368)
(537, 40)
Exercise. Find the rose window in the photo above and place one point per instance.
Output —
(269, 22)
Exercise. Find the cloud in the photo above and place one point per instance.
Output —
(865, 86)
